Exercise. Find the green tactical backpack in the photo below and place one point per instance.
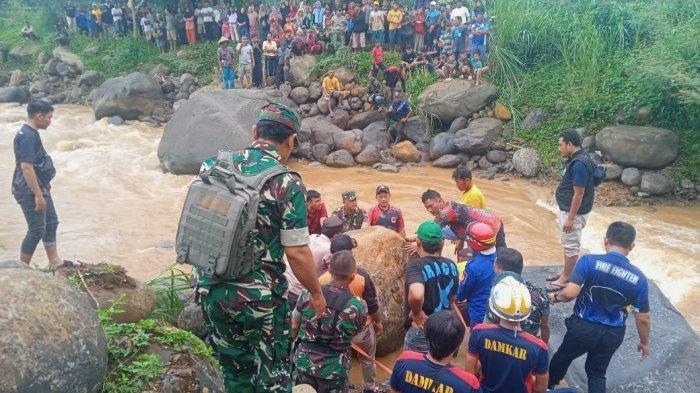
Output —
(217, 229)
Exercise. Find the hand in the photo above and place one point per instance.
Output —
(411, 247)
(378, 328)
(568, 225)
(644, 349)
(553, 298)
(40, 203)
(318, 303)
(418, 320)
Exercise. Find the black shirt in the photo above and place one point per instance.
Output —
(439, 276)
(578, 172)
(29, 149)
(70, 11)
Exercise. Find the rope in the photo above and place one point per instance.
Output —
(377, 362)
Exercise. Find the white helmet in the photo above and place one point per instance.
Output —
(510, 300)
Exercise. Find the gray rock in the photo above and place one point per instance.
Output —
(458, 124)
(534, 119)
(386, 168)
(484, 163)
(641, 147)
(192, 320)
(303, 151)
(115, 120)
(322, 131)
(90, 78)
(526, 162)
(50, 66)
(416, 129)
(447, 161)
(62, 69)
(299, 94)
(376, 134)
(168, 87)
(442, 144)
(348, 140)
(687, 184)
(370, 155)
(207, 123)
(301, 70)
(52, 341)
(363, 119)
(19, 94)
(320, 151)
(344, 75)
(24, 52)
(322, 105)
(478, 136)
(612, 171)
(17, 77)
(656, 183)
(128, 96)
(589, 143)
(448, 100)
(173, 384)
(496, 156)
(160, 70)
(356, 104)
(340, 118)
(69, 58)
(315, 90)
(340, 159)
(673, 360)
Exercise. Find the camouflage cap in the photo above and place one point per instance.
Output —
(282, 114)
(349, 195)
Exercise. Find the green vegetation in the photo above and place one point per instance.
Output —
(131, 368)
(169, 287)
(602, 59)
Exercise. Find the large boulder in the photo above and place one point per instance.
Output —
(315, 90)
(90, 78)
(128, 96)
(69, 58)
(449, 100)
(458, 124)
(406, 152)
(344, 75)
(348, 140)
(52, 340)
(534, 119)
(25, 52)
(376, 134)
(612, 171)
(323, 131)
(50, 66)
(441, 144)
(362, 120)
(320, 151)
(501, 112)
(370, 155)
(656, 183)
(340, 159)
(207, 123)
(19, 94)
(301, 70)
(340, 118)
(631, 177)
(671, 366)
(380, 252)
(526, 162)
(641, 147)
(416, 129)
(299, 94)
(17, 77)
(478, 136)
(447, 161)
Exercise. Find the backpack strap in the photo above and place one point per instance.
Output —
(336, 302)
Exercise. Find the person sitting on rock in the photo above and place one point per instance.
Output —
(444, 332)
(383, 214)
(375, 94)
(331, 91)
(322, 355)
(353, 217)
(478, 67)
(398, 114)
(27, 32)
(363, 287)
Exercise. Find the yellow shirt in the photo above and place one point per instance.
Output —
(331, 84)
(474, 198)
(394, 17)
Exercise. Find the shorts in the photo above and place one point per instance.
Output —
(571, 241)
(245, 69)
(415, 340)
(172, 35)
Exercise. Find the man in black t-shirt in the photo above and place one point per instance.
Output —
(70, 14)
(431, 285)
(31, 186)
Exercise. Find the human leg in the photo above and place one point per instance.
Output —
(598, 358)
(415, 340)
(49, 238)
(367, 341)
(577, 341)
(36, 226)
(571, 242)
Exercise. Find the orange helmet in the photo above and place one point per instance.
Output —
(480, 236)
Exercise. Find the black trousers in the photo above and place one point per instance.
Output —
(597, 341)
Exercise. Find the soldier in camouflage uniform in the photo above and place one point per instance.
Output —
(322, 355)
(248, 319)
(353, 217)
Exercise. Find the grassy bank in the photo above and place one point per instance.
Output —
(601, 59)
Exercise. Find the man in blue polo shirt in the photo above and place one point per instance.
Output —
(31, 186)
(416, 372)
(509, 357)
(604, 286)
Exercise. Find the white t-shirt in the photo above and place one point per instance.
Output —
(207, 14)
(269, 48)
(462, 12)
(116, 14)
(246, 56)
(146, 24)
(376, 20)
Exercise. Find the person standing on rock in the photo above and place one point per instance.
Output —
(386, 215)
(352, 216)
(431, 286)
(248, 318)
(604, 286)
(245, 63)
(398, 113)
(31, 184)
(225, 55)
(575, 195)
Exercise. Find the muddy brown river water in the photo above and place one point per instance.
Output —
(116, 205)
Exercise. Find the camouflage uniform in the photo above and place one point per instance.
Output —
(351, 221)
(248, 319)
(322, 359)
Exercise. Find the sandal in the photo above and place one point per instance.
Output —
(553, 277)
(552, 287)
